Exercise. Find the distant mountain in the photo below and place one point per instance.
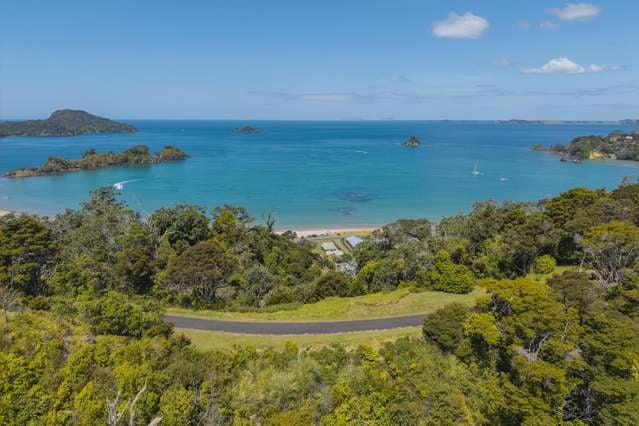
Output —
(64, 122)
(518, 121)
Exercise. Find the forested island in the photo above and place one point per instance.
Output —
(554, 339)
(617, 145)
(91, 160)
(64, 122)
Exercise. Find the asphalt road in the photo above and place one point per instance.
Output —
(283, 328)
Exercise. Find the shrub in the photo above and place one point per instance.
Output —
(448, 276)
(544, 264)
(445, 326)
(332, 284)
(114, 314)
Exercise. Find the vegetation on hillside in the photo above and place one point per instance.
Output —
(91, 160)
(83, 341)
(617, 145)
(64, 122)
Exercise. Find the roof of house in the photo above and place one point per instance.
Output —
(353, 240)
(329, 245)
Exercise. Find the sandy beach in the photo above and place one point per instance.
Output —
(323, 232)
(4, 213)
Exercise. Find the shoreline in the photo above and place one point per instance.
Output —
(327, 232)
(300, 232)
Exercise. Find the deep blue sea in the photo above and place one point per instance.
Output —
(316, 174)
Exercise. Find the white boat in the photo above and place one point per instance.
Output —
(475, 171)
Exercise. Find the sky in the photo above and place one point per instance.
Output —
(321, 60)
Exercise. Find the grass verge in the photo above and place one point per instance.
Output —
(212, 340)
(379, 305)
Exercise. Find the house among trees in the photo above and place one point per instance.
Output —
(331, 249)
(353, 241)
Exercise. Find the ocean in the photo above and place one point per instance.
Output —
(316, 174)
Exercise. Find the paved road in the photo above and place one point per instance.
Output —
(283, 328)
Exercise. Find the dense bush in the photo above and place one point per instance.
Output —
(114, 313)
(545, 264)
(89, 284)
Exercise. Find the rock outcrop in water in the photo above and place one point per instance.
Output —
(91, 160)
(247, 130)
(65, 122)
(412, 142)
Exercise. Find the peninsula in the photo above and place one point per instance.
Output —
(617, 145)
(91, 160)
(65, 122)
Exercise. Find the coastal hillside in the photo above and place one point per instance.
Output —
(136, 155)
(617, 146)
(64, 122)
(552, 337)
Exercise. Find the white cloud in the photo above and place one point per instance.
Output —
(328, 97)
(566, 66)
(401, 79)
(503, 62)
(576, 11)
(523, 24)
(461, 26)
(548, 25)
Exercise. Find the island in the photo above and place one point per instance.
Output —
(412, 142)
(247, 130)
(65, 122)
(617, 145)
(91, 160)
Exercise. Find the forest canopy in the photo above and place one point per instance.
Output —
(82, 339)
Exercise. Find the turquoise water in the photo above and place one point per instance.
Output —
(316, 174)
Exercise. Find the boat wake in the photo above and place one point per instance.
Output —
(362, 152)
(119, 186)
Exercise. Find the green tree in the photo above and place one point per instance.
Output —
(610, 248)
(135, 263)
(177, 407)
(199, 271)
(27, 248)
(544, 264)
(332, 284)
(114, 313)
(445, 326)
(448, 276)
(182, 226)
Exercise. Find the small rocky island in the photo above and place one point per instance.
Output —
(64, 122)
(247, 130)
(617, 145)
(412, 142)
(91, 160)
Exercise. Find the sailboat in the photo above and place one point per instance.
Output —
(475, 171)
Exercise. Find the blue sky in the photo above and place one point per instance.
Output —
(344, 59)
